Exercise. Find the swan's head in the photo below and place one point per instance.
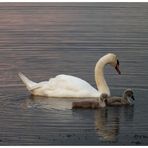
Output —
(113, 60)
(128, 94)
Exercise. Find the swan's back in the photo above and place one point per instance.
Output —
(71, 82)
(61, 86)
(70, 86)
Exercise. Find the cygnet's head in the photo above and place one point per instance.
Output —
(103, 100)
(128, 94)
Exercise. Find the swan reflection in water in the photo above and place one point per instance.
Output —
(106, 120)
(104, 128)
(51, 103)
(46, 103)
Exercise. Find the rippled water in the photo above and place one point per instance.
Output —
(46, 39)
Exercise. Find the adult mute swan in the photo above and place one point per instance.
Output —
(70, 86)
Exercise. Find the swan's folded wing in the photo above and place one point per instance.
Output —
(72, 83)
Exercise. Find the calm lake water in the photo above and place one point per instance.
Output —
(45, 39)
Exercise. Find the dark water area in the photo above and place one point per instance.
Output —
(45, 39)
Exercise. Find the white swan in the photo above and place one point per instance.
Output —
(70, 86)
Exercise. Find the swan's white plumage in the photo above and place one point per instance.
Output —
(62, 86)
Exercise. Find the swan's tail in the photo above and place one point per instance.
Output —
(29, 84)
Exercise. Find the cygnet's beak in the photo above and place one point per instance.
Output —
(106, 102)
(133, 97)
(117, 68)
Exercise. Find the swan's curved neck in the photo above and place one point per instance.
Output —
(99, 77)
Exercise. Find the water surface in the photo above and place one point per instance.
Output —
(45, 39)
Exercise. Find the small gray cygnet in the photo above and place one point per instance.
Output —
(91, 103)
(125, 99)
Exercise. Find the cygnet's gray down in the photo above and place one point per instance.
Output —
(126, 99)
(91, 103)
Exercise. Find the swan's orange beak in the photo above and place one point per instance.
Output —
(117, 68)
